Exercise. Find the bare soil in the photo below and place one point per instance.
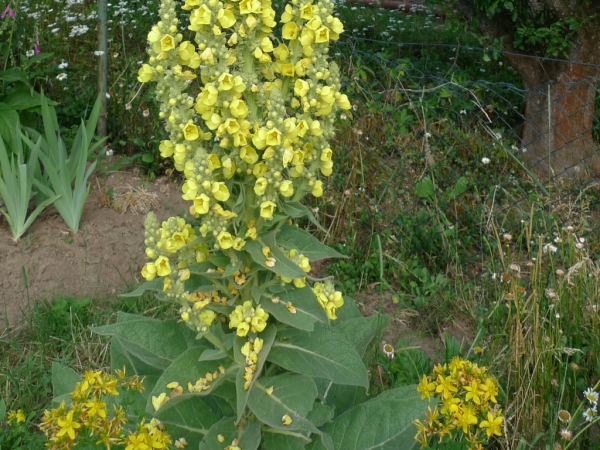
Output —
(103, 259)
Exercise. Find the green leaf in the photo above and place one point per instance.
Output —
(320, 353)
(268, 336)
(154, 285)
(293, 394)
(362, 330)
(64, 380)
(248, 435)
(424, 188)
(23, 98)
(382, 423)
(291, 237)
(2, 409)
(340, 397)
(191, 419)
(274, 439)
(283, 265)
(460, 187)
(9, 127)
(186, 368)
(308, 309)
(149, 345)
(349, 310)
(297, 210)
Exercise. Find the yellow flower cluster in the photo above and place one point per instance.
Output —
(196, 315)
(15, 417)
(246, 318)
(303, 262)
(250, 350)
(467, 395)
(88, 416)
(328, 297)
(173, 237)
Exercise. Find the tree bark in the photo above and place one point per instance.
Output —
(559, 113)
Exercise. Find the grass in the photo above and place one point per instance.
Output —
(427, 201)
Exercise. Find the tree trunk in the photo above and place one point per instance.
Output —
(559, 116)
(559, 112)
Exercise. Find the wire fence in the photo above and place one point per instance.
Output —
(439, 162)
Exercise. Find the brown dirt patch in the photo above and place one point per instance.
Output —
(404, 325)
(103, 258)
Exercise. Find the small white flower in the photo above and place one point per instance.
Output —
(98, 53)
(29, 53)
(463, 112)
(485, 160)
(109, 152)
(115, 55)
(145, 113)
(63, 65)
(388, 350)
(107, 95)
(549, 248)
(590, 414)
(61, 76)
(591, 395)
(127, 106)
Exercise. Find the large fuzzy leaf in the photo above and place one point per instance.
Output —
(306, 306)
(383, 423)
(320, 353)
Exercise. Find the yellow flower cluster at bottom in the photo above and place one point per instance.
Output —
(467, 395)
(89, 416)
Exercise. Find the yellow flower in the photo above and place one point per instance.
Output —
(492, 425)
(281, 52)
(145, 73)
(301, 88)
(163, 267)
(166, 148)
(267, 209)
(220, 191)
(167, 43)
(261, 186)
(190, 132)
(248, 154)
(286, 188)
(67, 426)
(307, 12)
(250, 7)
(201, 204)
(149, 271)
(465, 418)
(266, 45)
(473, 392)
(200, 16)
(225, 240)
(322, 35)
(317, 190)
(425, 388)
(288, 14)
(226, 18)
(445, 387)
(289, 31)
(251, 233)
(238, 109)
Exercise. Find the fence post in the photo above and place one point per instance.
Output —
(102, 66)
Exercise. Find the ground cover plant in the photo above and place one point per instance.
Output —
(431, 207)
